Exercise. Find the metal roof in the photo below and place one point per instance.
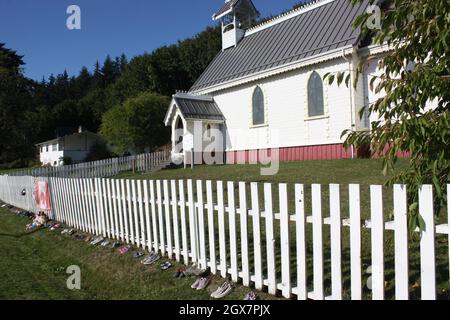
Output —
(312, 31)
(70, 135)
(198, 107)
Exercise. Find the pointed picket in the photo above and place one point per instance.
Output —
(256, 236)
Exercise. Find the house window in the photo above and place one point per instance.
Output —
(55, 147)
(315, 95)
(258, 107)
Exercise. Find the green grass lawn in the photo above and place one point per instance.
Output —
(33, 265)
(324, 172)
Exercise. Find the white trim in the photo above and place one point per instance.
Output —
(291, 145)
(215, 18)
(256, 126)
(374, 50)
(169, 113)
(286, 16)
(330, 55)
(185, 95)
(325, 116)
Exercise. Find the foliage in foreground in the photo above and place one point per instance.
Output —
(414, 77)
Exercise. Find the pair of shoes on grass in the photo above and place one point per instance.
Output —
(250, 296)
(79, 237)
(200, 283)
(138, 254)
(166, 265)
(125, 249)
(68, 231)
(195, 271)
(222, 291)
(180, 273)
(105, 243)
(97, 240)
(150, 259)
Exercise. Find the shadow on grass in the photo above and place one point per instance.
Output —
(20, 235)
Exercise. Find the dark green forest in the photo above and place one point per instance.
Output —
(30, 111)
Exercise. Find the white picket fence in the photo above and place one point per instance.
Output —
(249, 232)
(11, 192)
(102, 168)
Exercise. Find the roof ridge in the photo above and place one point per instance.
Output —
(191, 96)
(289, 14)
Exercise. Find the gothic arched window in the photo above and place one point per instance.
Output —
(315, 95)
(258, 107)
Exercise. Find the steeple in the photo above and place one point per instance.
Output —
(235, 16)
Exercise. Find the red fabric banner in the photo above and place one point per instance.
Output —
(42, 195)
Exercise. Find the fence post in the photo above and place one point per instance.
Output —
(201, 225)
(427, 246)
(137, 240)
(401, 243)
(168, 220)
(355, 242)
(184, 236)
(211, 231)
(154, 219)
(106, 207)
(317, 241)
(256, 236)
(114, 201)
(141, 214)
(131, 234)
(176, 230)
(270, 239)
(192, 222)
(285, 247)
(126, 223)
(244, 233)
(147, 217)
(377, 242)
(302, 290)
(222, 236)
(160, 217)
(336, 247)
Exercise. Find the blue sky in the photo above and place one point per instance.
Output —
(37, 29)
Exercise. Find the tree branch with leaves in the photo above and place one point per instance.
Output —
(414, 85)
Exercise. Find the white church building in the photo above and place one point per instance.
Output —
(265, 89)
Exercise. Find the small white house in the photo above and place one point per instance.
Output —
(264, 90)
(75, 146)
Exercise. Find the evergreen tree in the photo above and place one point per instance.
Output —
(108, 71)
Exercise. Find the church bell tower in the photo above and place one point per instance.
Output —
(235, 16)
